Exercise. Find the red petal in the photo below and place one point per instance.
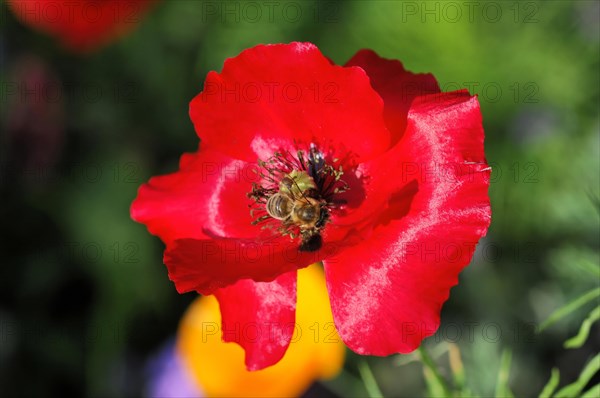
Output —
(206, 196)
(378, 178)
(395, 85)
(81, 25)
(210, 264)
(387, 292)
(271, 96)
(260, 316)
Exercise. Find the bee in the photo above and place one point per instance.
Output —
(300, 193)
(280, 206)
(305, 212)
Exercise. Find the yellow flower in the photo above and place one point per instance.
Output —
(316, 350)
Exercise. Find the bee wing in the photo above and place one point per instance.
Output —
(301, 193)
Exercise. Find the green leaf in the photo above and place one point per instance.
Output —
(584, 331)
(569, 308)
(434, 387)
(550, 387)
(595, 199)
(502, 388)
(591, 267)
(575, 388)
(369, 380)
(345, 385)
(458, 371)
(436, 384)
(405, 359)
(593, 392)
(456, 366)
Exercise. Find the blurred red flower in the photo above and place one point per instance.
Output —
(81, 25)
(365, 167)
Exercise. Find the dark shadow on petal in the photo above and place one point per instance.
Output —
(355, 194)
(399, 204)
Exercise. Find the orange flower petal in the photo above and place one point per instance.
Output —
(316, 350)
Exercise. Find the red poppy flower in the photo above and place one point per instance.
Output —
(81, 25)
(365, 167)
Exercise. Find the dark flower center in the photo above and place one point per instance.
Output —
(297, 195)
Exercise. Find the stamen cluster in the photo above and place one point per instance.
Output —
(297, 194)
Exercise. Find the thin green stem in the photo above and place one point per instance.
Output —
(369, 380)
(569, 308)
(428, 362)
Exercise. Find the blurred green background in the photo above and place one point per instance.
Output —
(84, 297)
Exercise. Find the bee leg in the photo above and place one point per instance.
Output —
(260, 219)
